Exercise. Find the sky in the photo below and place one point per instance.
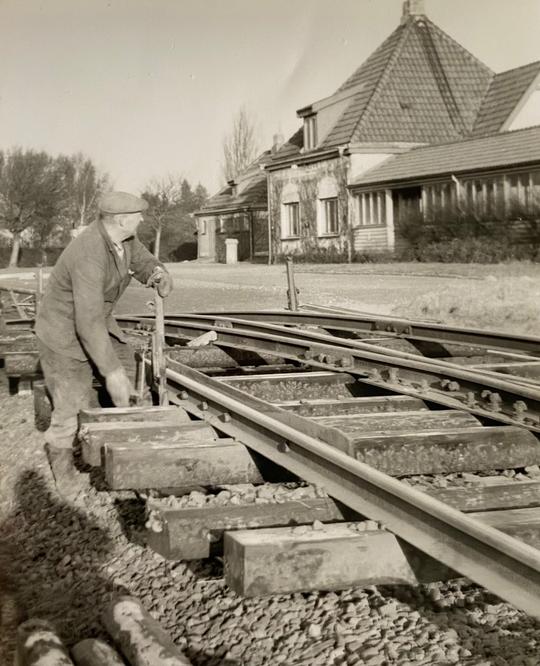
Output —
(148, 88)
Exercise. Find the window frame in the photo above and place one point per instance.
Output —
(310, 132)
(368, 203)
(323, 226)
(287, 207)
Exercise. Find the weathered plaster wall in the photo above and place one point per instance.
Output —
(307, 179)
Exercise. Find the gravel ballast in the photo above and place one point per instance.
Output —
(65, 561)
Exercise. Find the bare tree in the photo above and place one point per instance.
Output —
(240, 146)
(31, 193)
(164, 197)
(84, 185)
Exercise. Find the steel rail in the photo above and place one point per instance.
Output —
(502, 564)
(395, 327)
(489, 397)
(326, 338)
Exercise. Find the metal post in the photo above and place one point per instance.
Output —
(39, 286)
(292, 291)
(158, 356)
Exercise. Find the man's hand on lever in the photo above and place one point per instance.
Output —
(162, 280)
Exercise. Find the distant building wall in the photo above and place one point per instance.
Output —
(308, 208)
(206, 237)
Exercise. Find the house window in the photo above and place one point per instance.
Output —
(372, 209)
(310, 132)
(202, 226)
(291, 222)
(329, 217)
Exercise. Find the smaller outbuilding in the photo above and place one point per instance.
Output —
(239, 211)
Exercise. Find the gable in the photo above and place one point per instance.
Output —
(502, 98)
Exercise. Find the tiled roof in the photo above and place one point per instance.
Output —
(251, 191)
(498, 150)
(505, 91)
(418, 86)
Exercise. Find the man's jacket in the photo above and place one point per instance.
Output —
(75, 315)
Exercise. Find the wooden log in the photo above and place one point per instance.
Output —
(295, 386)
(366, 405)
(140, 637)
(197, 533)
(38, 644)
(93, 436)
(170, 415)
(94, 652)
(456, 450)
(510, 495)
(212, 356)
(421, 420)
(300, 559)
(21, 364)
(522, 524)
(137, 465)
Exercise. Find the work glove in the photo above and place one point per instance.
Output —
(162, 280)
(119, 387)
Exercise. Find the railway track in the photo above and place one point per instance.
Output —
(355, 419)
(355, 429)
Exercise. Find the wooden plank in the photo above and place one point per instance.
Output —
(212, 356)
(136, 465)
(170, 415)
(364, 405)
(93, 436)
(300, 559)
(421, 420)
(523, 524)
(510, 495)
(21, 363)
(457, 450)
(197, 533)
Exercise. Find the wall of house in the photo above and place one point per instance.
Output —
(370, 239)
(361, 162)
(529, 114)
(307, 184)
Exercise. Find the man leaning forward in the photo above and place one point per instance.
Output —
(75, 323)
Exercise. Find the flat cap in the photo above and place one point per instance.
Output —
(118, 203)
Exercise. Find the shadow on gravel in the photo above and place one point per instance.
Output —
(131, 514)
(474, 621)
(52, 555)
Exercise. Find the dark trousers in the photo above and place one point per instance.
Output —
(69, 383)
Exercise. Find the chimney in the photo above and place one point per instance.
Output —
(412, 8)
(277, 142)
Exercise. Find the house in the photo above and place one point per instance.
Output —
(491, 182)
(420, 127)
(239, 210)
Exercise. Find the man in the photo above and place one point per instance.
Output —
(75, 321)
